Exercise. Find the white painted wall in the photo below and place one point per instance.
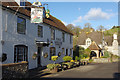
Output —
(12, 38)
(0, 31)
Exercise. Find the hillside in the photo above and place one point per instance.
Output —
(110, 32)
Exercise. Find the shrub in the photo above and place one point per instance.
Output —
(52, 66)
(69, 64)
(85, 55)
(54, 58)
(77, 58)
(106, 54)
(67, 58)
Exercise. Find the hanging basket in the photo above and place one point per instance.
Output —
(34, 56)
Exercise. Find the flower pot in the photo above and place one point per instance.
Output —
(54, 70)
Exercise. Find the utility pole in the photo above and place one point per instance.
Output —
(103, 45)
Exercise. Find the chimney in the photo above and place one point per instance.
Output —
(115, 36)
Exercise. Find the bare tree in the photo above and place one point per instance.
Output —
(100, 28)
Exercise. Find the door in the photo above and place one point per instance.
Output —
(39, 56)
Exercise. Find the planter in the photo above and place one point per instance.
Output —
(55, 70)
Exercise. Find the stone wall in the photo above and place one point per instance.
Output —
(15, 70)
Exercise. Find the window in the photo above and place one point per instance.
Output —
(52, 34)
(40, 31)
(63, 37)
(66, 52)
(52, 52)
(70, 52)
(22, 2)
(63, 51)
(88, 42)
(21, 25)
(20, 53)
(70, 39)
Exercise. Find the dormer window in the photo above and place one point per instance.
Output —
(88, 42)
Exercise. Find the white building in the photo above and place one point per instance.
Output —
(111, 43)
(20, 39)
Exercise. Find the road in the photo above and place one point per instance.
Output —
(101, 70)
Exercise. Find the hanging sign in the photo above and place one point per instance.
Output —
(37, 15)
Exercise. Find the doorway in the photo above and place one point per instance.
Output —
(39, 56)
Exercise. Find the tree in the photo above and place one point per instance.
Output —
(87, 27)
(100, 28)
(76, 30)
(70, 27)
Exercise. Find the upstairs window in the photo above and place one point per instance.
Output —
(21, 25)
(40, 31)
(63, 37)
(52, 34)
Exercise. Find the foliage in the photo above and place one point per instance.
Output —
(67, 58)
(100, 28)
(70, 64)
(87, 52)
(54, 58)
(81, 50)
(106, 54)
(91, 60)
(110, 32)
(52, 66)
(77, 58)
(75, 51)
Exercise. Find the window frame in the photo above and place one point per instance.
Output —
(63, 50)
(52, 34)
(17, 53)
(41, 32)
(52, 53)
(66, 52)
(20, 31)
(63, 36)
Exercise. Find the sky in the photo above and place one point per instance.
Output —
(79, 13)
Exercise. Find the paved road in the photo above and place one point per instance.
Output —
(102, 70)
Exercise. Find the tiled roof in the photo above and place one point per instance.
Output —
(51, 20)
(94, 36)
(94, 46)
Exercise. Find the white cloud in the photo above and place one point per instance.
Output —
(79, 9)
(109, 10)
(79, 19)
(97, 14)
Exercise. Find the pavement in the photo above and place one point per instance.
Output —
(93, 70)
(96, 70)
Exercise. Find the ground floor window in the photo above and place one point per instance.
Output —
(63, 51)
(52, 52)
(66, 52)
(70, 52)
(20, 53)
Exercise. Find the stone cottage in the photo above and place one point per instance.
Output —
(20, 39)
(95, 40)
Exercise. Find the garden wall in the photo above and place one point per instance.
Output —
(15, 70)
